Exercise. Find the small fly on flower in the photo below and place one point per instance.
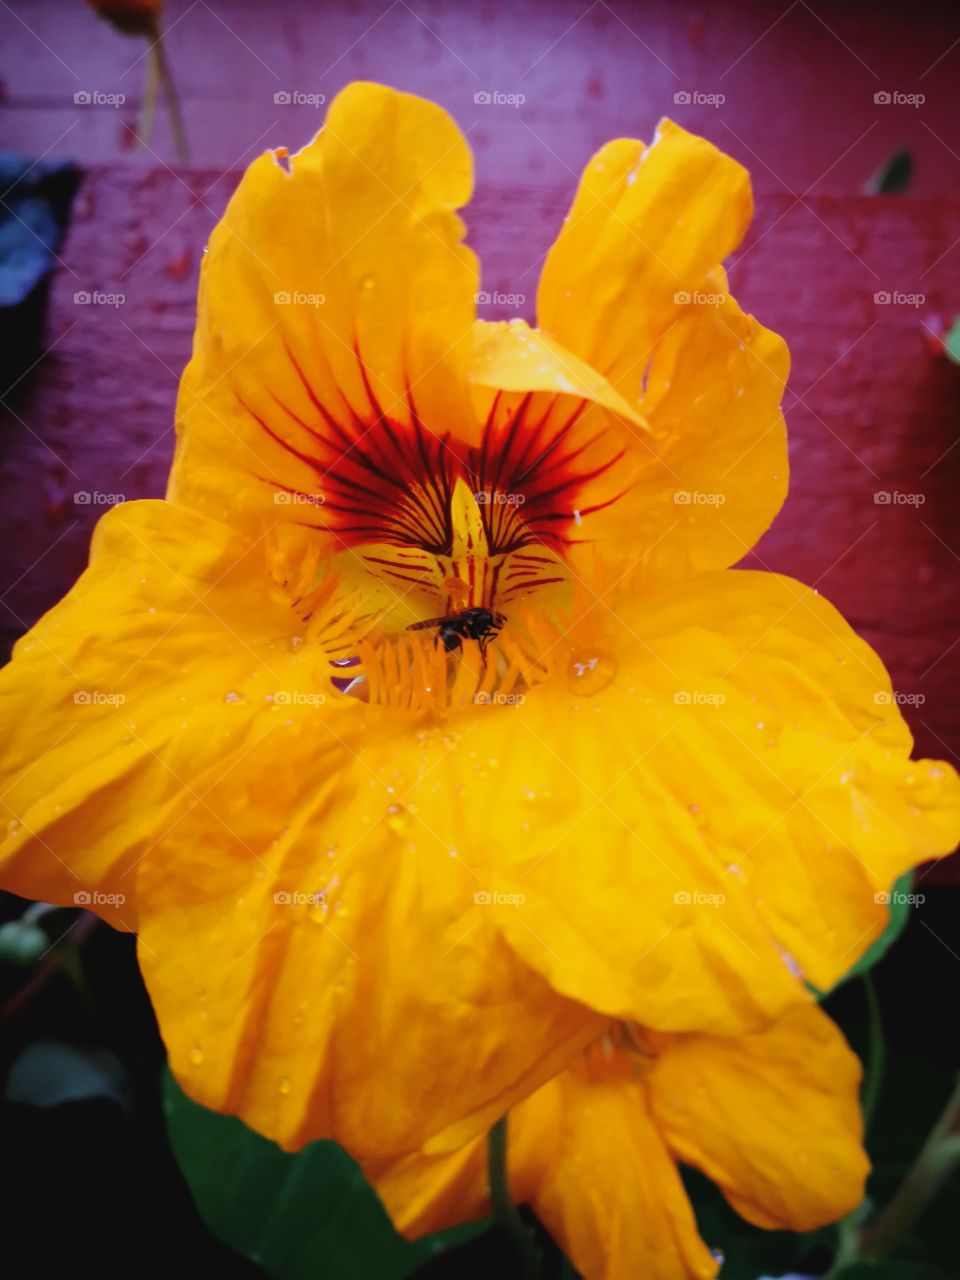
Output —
(475, 623)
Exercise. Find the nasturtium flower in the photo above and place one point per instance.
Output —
(391, 875)
(771, 1116)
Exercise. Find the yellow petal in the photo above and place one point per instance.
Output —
(699, 806)
(632, 286)
(510, 356)
(586, 1156)
(772, 1117)
(318, 961)
(646, 225)
(335, 291)
(712, 474)
(611, 1195)
(125, 700)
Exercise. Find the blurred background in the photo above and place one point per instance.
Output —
(118, 157)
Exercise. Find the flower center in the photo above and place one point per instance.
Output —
(455, 541)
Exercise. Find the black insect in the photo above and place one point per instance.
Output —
(475, 623)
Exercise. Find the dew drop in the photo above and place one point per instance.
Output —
(295, 642)
(196, 1056)
(367, 283)
(590, 671)
(13, 826)
(718, 1256)
(398, 820)
(284, 1086)
(233, 696)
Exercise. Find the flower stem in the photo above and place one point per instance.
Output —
(505, 1212)
(934, 1164)
(876, 1055)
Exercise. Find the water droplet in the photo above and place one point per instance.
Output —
(295, 642)
(284, 1086)
(590, 671)
(13, 826)
(367, 283)
(233, 696)
(718, 1256)
(196, 1056)
(398, 820)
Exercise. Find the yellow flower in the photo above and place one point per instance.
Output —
(390, 875)
(771, 1117)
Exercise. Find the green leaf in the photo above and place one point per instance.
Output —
(865, 1270)
(49, 1073)
(951, 341)
(299, 1215)
(893, 177)
(23, 942)
(900, 908)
